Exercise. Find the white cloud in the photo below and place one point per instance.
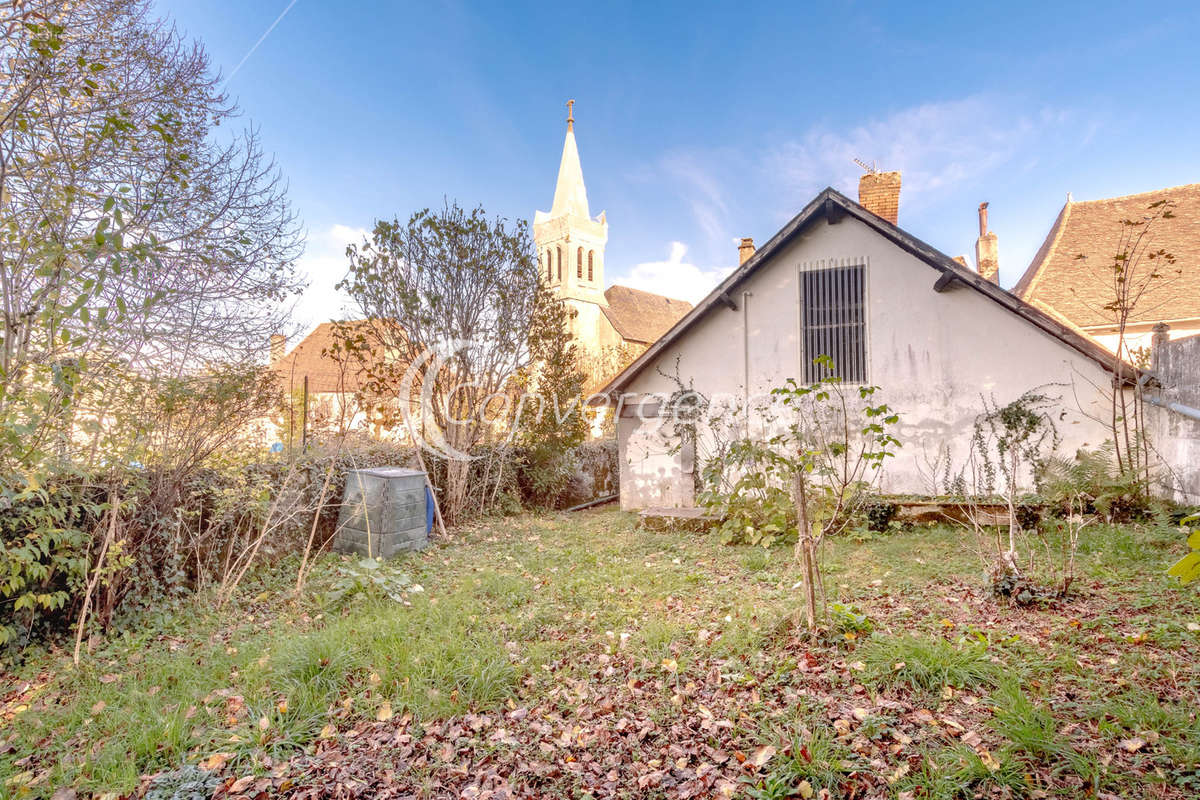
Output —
(702, 190)
(676, 277)
(937, 146)
(324, 265)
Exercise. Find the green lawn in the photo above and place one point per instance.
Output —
(575, 655)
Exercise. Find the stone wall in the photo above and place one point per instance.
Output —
(1177, 367)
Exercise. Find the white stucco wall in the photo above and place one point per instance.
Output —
(1141, 339)
(934, 355)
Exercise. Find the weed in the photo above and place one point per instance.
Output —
(927, 664)
(756, 559)
(817, 761)
(848, 619)
(1033, 733)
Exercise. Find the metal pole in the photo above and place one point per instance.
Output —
(304, 418)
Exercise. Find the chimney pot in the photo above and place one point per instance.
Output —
(745, 250)
(987, 248)
(879, 193)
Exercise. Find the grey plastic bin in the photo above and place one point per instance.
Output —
(383, 512)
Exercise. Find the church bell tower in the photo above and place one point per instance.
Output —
(570, 243)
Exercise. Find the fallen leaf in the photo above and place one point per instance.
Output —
(899, 773)
(240, 785)
(385, 712)
(215, 761)
(1132, 745)
(762, 755)
(804, 789)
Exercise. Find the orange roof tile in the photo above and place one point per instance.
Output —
(312, 358)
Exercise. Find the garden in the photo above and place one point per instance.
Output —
(570, 655)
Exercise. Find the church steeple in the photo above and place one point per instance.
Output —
(570, 195)
(570, 242)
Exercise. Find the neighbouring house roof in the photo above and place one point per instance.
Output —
(1077, 289)
(831, 205)
(313, 358)
(642, 316)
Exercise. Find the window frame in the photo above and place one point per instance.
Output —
(859, 373)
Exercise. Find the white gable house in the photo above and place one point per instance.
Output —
(934, 335)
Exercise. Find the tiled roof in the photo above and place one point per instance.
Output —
(642, 316)
(1077, 289)
(325, 372)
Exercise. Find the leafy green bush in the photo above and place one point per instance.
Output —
(746, 491)
(848, 619)
(878, 514)
(369, 578)
(44, 533)
(1093, 478)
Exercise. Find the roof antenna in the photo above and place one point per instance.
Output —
(870, 169)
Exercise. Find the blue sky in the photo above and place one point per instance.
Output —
(702, 122)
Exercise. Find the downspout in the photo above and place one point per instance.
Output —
(1178, 408)
(799, 324)
(746, 358)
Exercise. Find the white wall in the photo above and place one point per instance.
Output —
(934, 355)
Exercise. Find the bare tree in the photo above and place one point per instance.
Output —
(132, 235)
(1134, 279)
(457, 302)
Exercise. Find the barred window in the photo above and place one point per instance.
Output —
(591, 255)
(834, 322)
(559, 251)
(579, 264)
(549, 265)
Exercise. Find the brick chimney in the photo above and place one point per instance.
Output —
(987, 249)
(879, 193)
(278, 346)
(745, 250)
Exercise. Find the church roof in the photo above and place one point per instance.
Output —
(570, 195)
(642, 316)
(1077, 288)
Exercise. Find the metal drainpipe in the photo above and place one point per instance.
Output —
(1178, 408)
(746, 358)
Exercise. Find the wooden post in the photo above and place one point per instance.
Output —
(437, 507)
(304, 419)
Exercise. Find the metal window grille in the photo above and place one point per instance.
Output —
(591, 255)
(833, 316)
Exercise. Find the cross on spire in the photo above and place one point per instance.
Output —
(570, 115)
